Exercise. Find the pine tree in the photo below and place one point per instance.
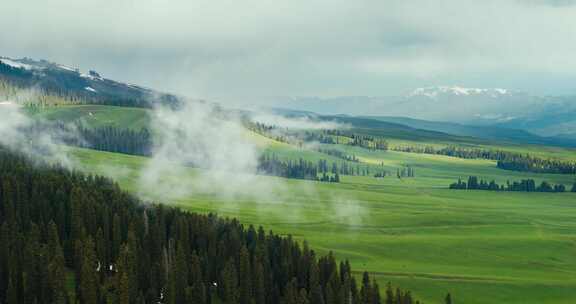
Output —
(123, 288)
(230, 293)
(88, 283)
(375, 293)
(366, 290)
(56, 267)
(12, 293)
(259, 287)
(303, 297)
(291, 295)
(245, 284)
(448, 299)
(389, 294)
(181, 273)
(316, 295)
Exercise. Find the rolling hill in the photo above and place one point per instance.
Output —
(414, 232)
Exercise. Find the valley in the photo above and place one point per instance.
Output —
(288, 152)
(412, 232)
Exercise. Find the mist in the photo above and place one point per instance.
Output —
(199, 135)
(296, 123)
(203, 152)
(19, 133)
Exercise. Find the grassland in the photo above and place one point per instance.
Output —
(479, 245)
(98, 115)
(483, 247)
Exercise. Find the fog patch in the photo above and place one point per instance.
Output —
(296, 123)
(20, 133)
(201, 135)
(204, 153)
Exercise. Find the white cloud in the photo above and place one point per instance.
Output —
(246, 48)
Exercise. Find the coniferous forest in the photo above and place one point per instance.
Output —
(525, 185)
(505, 160)
(68, 237)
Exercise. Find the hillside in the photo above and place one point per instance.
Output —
(90, 87)
(86, 232)
(494, 133)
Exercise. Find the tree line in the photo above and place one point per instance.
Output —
(525, 185)
(58, 225)
(299, 169)
(322, 170)
(505, 160)
(538, 165)
(326, 136)
(339, 154)
(348, 138)
(405, 171)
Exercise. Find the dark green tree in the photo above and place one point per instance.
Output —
(88, 283)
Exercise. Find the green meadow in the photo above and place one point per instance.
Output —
(483, 247)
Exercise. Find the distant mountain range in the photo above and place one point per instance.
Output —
(546, 116)
(441, 103)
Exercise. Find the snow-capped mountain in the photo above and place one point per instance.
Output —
(499, 107)
(442, 103)
(439, 91)
(63, 80)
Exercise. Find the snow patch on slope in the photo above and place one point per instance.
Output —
(63, 67)
(15, 64)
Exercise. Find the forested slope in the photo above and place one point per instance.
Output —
(56, 224)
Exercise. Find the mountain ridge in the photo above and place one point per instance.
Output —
(59, 79)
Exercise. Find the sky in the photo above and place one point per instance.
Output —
(231, 50)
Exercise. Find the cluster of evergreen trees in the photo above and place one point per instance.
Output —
(301, 169)
(339, 154)
(348, 138)
(506, 160)
(321, 136)
(403, 172)
(270, 164)
(406, 171)
(525, 185)
(272, 132)
(456, 151)
(539, 165)
(57, 225)
(107, 138)
(381, 174)
(113, 139)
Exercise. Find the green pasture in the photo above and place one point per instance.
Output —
(483, 247)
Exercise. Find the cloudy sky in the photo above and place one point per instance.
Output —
(228, 49)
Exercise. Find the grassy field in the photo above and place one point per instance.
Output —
(481, 246)
(137, 118)
(98, 115)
